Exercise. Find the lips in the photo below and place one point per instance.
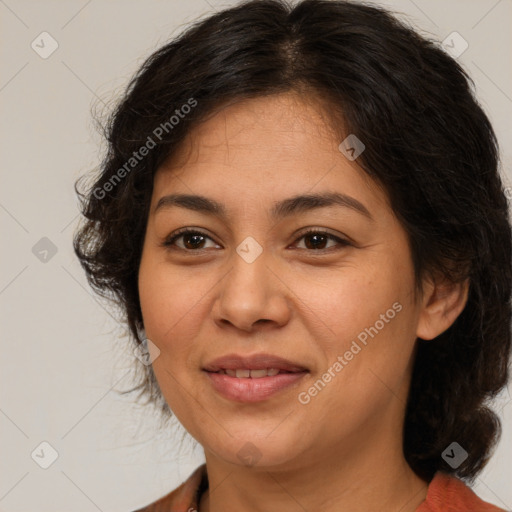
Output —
(233, 362)
(242, 373)
(253, 378)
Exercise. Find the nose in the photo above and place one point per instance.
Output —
(252, 296)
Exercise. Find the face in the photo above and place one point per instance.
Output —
(251, 291)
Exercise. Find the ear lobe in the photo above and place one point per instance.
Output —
(441, 305)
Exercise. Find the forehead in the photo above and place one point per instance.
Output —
(274, 126)
(279, 145)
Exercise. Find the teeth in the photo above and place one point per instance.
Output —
(254, 374)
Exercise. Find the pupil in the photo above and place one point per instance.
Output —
(314, 245)
(188, 237)
(320, 240)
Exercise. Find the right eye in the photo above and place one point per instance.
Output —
(193, 240)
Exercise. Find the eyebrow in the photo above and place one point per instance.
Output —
(287, 207)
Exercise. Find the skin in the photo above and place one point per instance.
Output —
(343, 449)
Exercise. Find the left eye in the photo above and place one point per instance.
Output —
(319, 238)
(194, 240)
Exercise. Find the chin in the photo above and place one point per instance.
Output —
(254, 449)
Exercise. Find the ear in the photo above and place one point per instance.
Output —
(442, 302)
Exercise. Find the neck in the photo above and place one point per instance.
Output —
(373, 476)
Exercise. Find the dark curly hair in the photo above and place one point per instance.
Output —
(428, 144)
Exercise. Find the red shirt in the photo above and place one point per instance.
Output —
(445, 494)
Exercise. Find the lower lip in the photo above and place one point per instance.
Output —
(252, 390)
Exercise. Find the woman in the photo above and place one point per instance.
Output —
(302, 217)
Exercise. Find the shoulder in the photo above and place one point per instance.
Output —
(184, 498)
(162, 503)
(449, 494)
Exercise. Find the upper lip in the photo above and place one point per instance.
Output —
(253, 362)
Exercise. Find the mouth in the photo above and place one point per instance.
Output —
(242, 373)
(254, 363)
(254, 378)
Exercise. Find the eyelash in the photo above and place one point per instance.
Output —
(169, 242)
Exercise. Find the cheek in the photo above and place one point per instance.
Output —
(167, 296)
(342, 304)
(175, 303)
(368, 320)
(171, 304)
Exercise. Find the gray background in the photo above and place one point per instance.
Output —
(63, 356)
